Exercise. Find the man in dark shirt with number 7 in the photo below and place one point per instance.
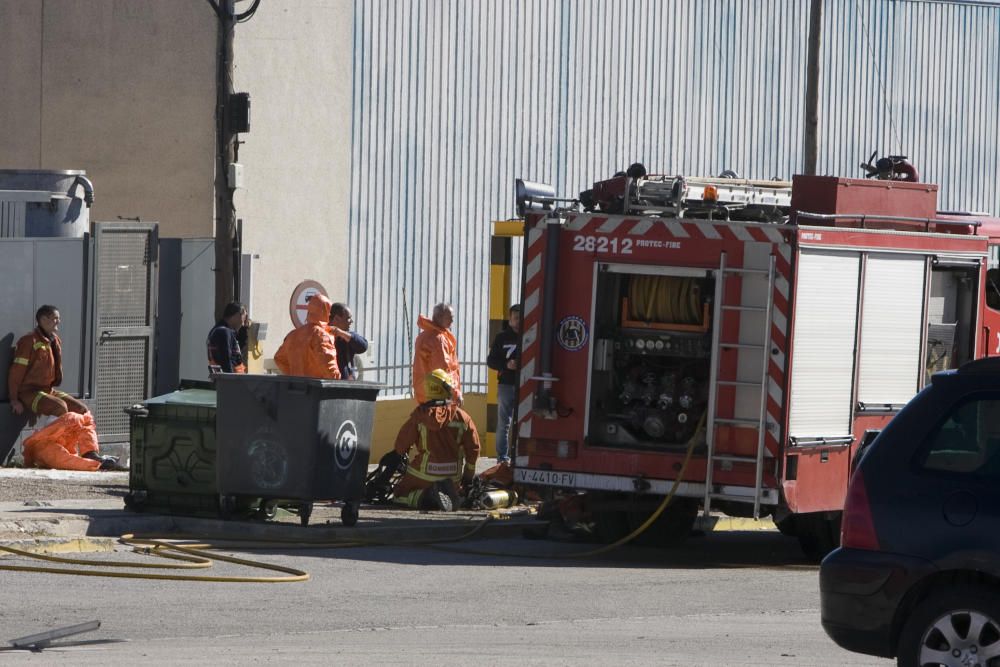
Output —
(503, 358)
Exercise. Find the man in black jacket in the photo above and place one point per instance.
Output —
(503, 358)
(224, 353)
(348, 342)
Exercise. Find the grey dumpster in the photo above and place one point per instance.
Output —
(289, 438)
(172, 467)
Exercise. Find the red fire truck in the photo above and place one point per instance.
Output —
(771, 327)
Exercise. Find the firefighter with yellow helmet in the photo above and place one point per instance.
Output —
(441, 445)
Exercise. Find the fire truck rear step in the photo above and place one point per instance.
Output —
(733, 458)
(736, 421)
(752, 272)
(751, 309)
(714, 458)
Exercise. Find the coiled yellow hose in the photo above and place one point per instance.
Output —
(665, 299)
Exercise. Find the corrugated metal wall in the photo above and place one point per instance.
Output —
(917, 78)
(454, 99)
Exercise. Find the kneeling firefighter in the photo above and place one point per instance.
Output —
(444, 435)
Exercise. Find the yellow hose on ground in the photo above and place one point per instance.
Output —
(196, 558)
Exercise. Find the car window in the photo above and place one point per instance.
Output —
(968, 441)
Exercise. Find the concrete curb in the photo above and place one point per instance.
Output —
(99, 534)
(63, 545)
(80, 526)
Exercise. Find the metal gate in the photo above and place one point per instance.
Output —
(125, 265)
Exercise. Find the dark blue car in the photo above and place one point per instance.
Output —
(917, 576)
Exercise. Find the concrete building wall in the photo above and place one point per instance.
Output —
(294, 58)
(122, 89)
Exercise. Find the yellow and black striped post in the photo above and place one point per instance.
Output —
(501, 279)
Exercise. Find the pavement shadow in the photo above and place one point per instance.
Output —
(731, 550)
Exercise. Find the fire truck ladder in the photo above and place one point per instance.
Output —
(751, 349)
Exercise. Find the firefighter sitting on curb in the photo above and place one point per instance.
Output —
(443, 435)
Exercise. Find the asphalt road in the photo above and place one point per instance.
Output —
(42, 485)
(724, 599)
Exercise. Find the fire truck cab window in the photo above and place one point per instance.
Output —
(993, 289)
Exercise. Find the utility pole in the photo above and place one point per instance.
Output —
(811, 138)
(225, 211)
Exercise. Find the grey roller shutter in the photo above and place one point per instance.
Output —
(825, 307)
(891, 321)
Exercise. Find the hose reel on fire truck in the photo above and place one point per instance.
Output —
(654, 394)
(665, 300)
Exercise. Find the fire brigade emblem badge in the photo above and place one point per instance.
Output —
(346, 445)
(572, 333)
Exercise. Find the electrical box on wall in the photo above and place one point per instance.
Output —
(239, 112)
(235, 175)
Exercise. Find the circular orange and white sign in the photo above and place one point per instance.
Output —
(298, 304)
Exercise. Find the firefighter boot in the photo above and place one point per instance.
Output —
(111, 463)
(107, 462)
(435, 498)
(447, 487)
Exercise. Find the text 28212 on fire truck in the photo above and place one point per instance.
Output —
(771, 327)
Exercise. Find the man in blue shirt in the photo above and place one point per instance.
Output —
(349, 343)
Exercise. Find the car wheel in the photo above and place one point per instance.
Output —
(305, 511)
(818, 534)
(672, 527)
(267, 510)
(954, 626)
(349, 512)
(227, 506)
(786, 525)
(610, 525)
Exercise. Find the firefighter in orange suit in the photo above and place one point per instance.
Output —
(436, 348)
(310, 350)
(447, 448)
(37, 370)
(68, 443)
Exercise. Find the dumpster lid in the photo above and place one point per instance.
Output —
(312, 382)
(199, 397)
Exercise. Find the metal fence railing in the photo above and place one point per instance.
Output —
(397, 378)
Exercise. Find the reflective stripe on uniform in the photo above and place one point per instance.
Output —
(21, 360)
(40, 346)
(448, 468)
(427, 477)
(422, 429)
(34, 403)
(425, 472)
(411, 499)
